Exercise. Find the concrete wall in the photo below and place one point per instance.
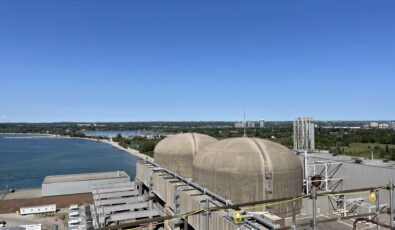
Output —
(76, 187)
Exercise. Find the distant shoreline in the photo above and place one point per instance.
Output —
(44, 134)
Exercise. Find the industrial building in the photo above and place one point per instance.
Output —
(79, 183)
(248, 169)
(257, 169)
(198, 182)
(303, 134)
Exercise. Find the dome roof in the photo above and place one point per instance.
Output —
(246, 155)
(249, 169)
(177, 152)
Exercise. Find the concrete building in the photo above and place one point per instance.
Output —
(261, 124)
(239, 125)
(392, 125)
(383, 126)
(249, 169)
(79, 183)
(303, 134)
(374, 124)
(251, 124)
(177, 152)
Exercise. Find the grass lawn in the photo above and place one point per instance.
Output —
(365, 149)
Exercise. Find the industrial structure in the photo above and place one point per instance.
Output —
(177, 152)
(198, 182)
(303, 134)
(79, 183)
(222, 173)
(248, 169)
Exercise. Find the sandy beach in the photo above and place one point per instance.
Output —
(129, 150)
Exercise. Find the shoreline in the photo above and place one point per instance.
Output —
(131, 151)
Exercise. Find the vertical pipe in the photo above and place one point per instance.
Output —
(314, 173)
(391, 190)
(306, 174)
(207, 214)
(377, 208)
(314, 197)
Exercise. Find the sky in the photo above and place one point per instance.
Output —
(180, 60)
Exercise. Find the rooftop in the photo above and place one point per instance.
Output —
(352, 159)
(85, 177)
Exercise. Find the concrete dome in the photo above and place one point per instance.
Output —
(177, 152)
(250, 169)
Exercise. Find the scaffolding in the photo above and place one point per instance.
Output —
(326, 170)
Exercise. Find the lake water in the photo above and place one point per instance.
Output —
(26, 159)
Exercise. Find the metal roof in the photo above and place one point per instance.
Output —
(351, 159)
(115, 195)
(111, 190)
(122, 207)
(128, 200)
(113, 185)
(85, 177)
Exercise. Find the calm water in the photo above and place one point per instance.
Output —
(27, 159)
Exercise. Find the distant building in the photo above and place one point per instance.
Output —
(366, 126)
(261, 124)
(392, 125)
(251, 124)
(374, 124)
(383, 126)
(239, 125)
(304, 134)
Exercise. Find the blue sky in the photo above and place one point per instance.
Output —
(196, 60)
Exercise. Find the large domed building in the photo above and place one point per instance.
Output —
(176, 152)
(250, 169)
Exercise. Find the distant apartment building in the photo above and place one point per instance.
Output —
(303, 134)
(392, 125)
(239, 125)
(251, 124)
(384, 126)
(374, 124)
(261, 124)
